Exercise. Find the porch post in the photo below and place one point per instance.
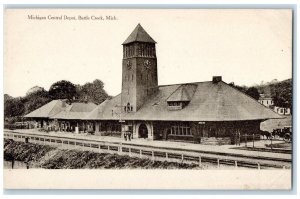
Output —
(97, 128)
(150, 130)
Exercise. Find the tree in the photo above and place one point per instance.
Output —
(253, 92)
(93, 92)
(13, 107)
(240, 88)
(7, 97)
(35, 100)
(63, 90)
(282, 94)
(34, 89)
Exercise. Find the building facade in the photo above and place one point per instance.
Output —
(282, 111)
(210, 112)
(266, 101)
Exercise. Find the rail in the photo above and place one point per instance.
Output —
(155, 154)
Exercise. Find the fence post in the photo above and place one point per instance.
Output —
(239, 139)
(182, 157)
(253, 139)
(258, 166)
(218, 160)
(246, 139)
(120, 150)
(271, 143)
(166, 155)
(129, 151)
(200, 163)
(235, 164)
(140, 153)
(153, 156)
(99, 146)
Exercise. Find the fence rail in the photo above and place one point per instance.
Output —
(153, 153)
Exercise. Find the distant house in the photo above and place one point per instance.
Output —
(199, 112)
(269, 102)
(266, 101)
(282, 111)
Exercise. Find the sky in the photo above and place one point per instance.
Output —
(243, 46)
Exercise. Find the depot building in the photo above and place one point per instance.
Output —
(210, 112)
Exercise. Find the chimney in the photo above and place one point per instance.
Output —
(216, 79)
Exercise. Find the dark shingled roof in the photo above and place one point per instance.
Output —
(107, 110)
(48, 110)
(139, 35)
(76, 110)
(210, 102)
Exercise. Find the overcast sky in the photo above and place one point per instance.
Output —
(243, 46)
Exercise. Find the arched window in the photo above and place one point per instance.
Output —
(128, 107)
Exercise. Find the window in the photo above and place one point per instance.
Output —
(128, 107)
(116, 127)
(181, 130)
(174, 103)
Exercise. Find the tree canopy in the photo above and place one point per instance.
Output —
(253, 92)
(35, 100)
(38, 96)
(93, 92)
(63, 90)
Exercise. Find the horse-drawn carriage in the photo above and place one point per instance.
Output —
(285, 133)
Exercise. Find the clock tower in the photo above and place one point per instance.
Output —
(139, 69)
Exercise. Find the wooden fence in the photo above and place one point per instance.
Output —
(154, 153)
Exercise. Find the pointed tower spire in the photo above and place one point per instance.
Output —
(139, 69)
(139, 35)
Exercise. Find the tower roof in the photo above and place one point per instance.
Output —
(139, 35)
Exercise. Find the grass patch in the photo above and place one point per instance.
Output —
(52, 158)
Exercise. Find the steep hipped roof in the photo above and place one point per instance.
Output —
(76, 110)
(48, 110)
(139, 35)
(210, 102)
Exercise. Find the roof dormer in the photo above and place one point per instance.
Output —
(181, 96)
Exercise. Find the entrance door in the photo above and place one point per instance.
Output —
(143, 131)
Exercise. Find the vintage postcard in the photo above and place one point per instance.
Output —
(148, 99)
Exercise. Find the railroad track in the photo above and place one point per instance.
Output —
(154, 153)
